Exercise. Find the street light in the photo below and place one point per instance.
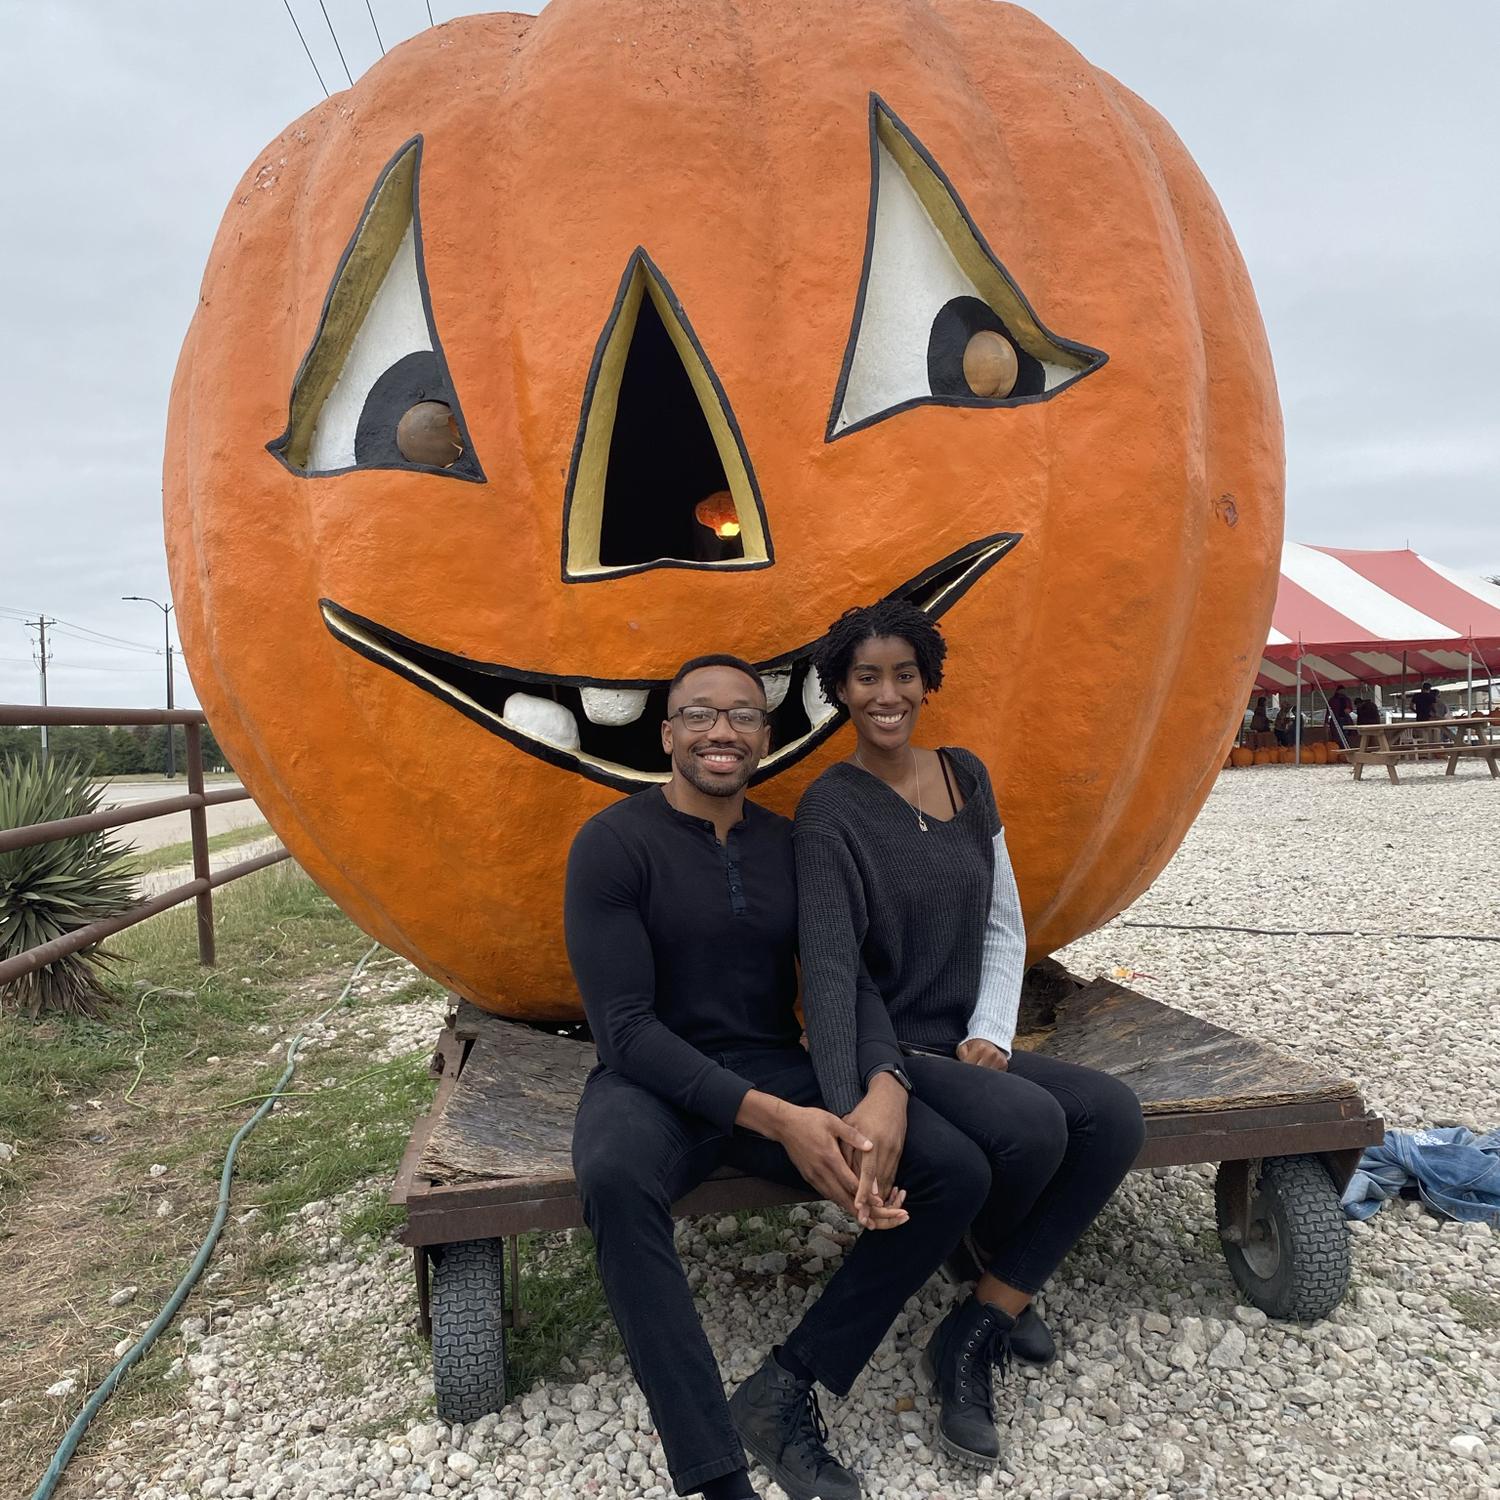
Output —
(166, 634)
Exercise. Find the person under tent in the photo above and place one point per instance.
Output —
(1339, 721)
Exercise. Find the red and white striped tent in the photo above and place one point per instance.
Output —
(1350, 616)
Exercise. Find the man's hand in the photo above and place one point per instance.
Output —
(983, 1054)
(816, 1141)
(881, 1117)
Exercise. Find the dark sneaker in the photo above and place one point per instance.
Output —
(779, 1422)
(972, 1339)
(1031, 1339)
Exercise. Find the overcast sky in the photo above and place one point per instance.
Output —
(1352, 144)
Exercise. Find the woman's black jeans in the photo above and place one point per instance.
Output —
(1059, 1139)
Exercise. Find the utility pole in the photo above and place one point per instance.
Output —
(42, 622)
(166, 633)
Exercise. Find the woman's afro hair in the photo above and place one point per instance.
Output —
(834, 654)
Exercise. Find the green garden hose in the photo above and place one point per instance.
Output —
(133, 1355)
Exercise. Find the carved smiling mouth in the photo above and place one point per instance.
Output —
(609, 729)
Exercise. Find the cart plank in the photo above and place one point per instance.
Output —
(510, 1115)
(1175, 1062)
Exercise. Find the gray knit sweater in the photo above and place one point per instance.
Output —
(934, 916)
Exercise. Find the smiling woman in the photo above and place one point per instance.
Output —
(558, 397)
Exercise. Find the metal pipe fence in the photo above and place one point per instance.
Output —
(199, 889)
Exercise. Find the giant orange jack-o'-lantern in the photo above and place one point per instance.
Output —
(913, 297)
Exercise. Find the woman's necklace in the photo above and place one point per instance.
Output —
(917, 779)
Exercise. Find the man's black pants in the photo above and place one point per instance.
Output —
(634, 1155)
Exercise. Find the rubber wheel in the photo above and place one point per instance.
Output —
(468, 1329)
(1294, 1263)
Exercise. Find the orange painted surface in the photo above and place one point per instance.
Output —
(1099, 669)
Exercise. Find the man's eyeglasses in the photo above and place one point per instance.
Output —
(700, 718)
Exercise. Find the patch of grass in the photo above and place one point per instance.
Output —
(94, 1104)
(274, 928)
(268, 1262)
(1475, 1310)
(373, 1219)
(339, 1133)
(564, 1307)
(144, 861)
(766, 1235)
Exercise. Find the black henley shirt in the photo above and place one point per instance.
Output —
(685, 950)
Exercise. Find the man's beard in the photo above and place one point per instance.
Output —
(687, 763)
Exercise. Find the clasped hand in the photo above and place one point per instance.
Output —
(881, 1117)
(824, 1150)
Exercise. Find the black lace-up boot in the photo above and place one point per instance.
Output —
(1030, 1340)
(779, 1422)
(972, 1339)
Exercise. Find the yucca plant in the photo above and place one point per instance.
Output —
(51, 889)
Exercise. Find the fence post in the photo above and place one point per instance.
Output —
(198, 819)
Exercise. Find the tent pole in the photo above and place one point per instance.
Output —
(1469, 660)
(1403, 685)
(1298, 732)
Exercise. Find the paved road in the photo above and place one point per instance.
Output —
(173, 828)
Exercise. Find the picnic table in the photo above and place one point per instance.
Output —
(1410, 739)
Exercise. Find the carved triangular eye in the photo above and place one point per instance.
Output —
(373, 391)
(938, 319)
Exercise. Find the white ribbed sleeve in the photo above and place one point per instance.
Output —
(1004, 959)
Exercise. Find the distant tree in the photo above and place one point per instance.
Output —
(213, 752)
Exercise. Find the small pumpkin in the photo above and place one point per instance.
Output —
(470, 356)
(1242, 755)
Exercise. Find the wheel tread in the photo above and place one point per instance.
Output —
(1318, 1254)
(468, 1329)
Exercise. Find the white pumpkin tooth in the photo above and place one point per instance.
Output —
(816, 706)
(542, 719)
(776, 685)
(612, 705)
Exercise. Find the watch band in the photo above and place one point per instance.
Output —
(899, 1074)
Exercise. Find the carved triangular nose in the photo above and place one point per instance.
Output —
(660, 477)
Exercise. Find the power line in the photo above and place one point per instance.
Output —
(104, 635)
(336, 47)
(305, 47)
(378, 41)
(82, 667)
(73, 625)
(90, 639)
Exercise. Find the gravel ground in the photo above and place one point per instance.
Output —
(1168, 1385)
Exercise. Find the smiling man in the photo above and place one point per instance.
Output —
(681, 928)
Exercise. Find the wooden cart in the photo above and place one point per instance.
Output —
(491, 1159)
